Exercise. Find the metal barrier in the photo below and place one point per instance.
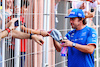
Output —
(42, 14)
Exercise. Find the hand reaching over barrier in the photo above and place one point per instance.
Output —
(11, 27)
(38, 39)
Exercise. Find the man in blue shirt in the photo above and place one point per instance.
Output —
(81, 41)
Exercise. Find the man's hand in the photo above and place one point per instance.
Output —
(66, 43)
(37, 39)
(44, 33)
(12, 23)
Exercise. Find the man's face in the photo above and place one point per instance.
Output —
(74, 22)
(8, 3)
(24, 9)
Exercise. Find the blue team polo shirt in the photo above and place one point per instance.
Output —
(84, 36)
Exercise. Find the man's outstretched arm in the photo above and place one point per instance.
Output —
(22, 35)
(57, 45)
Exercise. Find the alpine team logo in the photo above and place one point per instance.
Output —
(84, 34)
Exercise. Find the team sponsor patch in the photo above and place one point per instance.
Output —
(93, 35)
(79, 14)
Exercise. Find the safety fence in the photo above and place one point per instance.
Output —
(39, 15)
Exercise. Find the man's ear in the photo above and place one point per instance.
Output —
(82, 20)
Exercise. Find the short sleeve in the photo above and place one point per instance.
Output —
(92, 37)
(68, 36)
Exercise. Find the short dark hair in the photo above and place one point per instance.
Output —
(24, 2)
(84, 20)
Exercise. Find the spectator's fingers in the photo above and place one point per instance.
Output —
(12, 23)
(42, 41)
(63, 41)
(39, 42)
(63, 45)
(14, 19)
(48, 34)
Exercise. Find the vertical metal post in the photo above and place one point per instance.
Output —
(35, 26)
(17, 41)
(97, 55)
(48, 21)
(44, 27)
(3, 28)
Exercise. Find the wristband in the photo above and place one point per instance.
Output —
(9, 18)
(31, 36)
(8, 30)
